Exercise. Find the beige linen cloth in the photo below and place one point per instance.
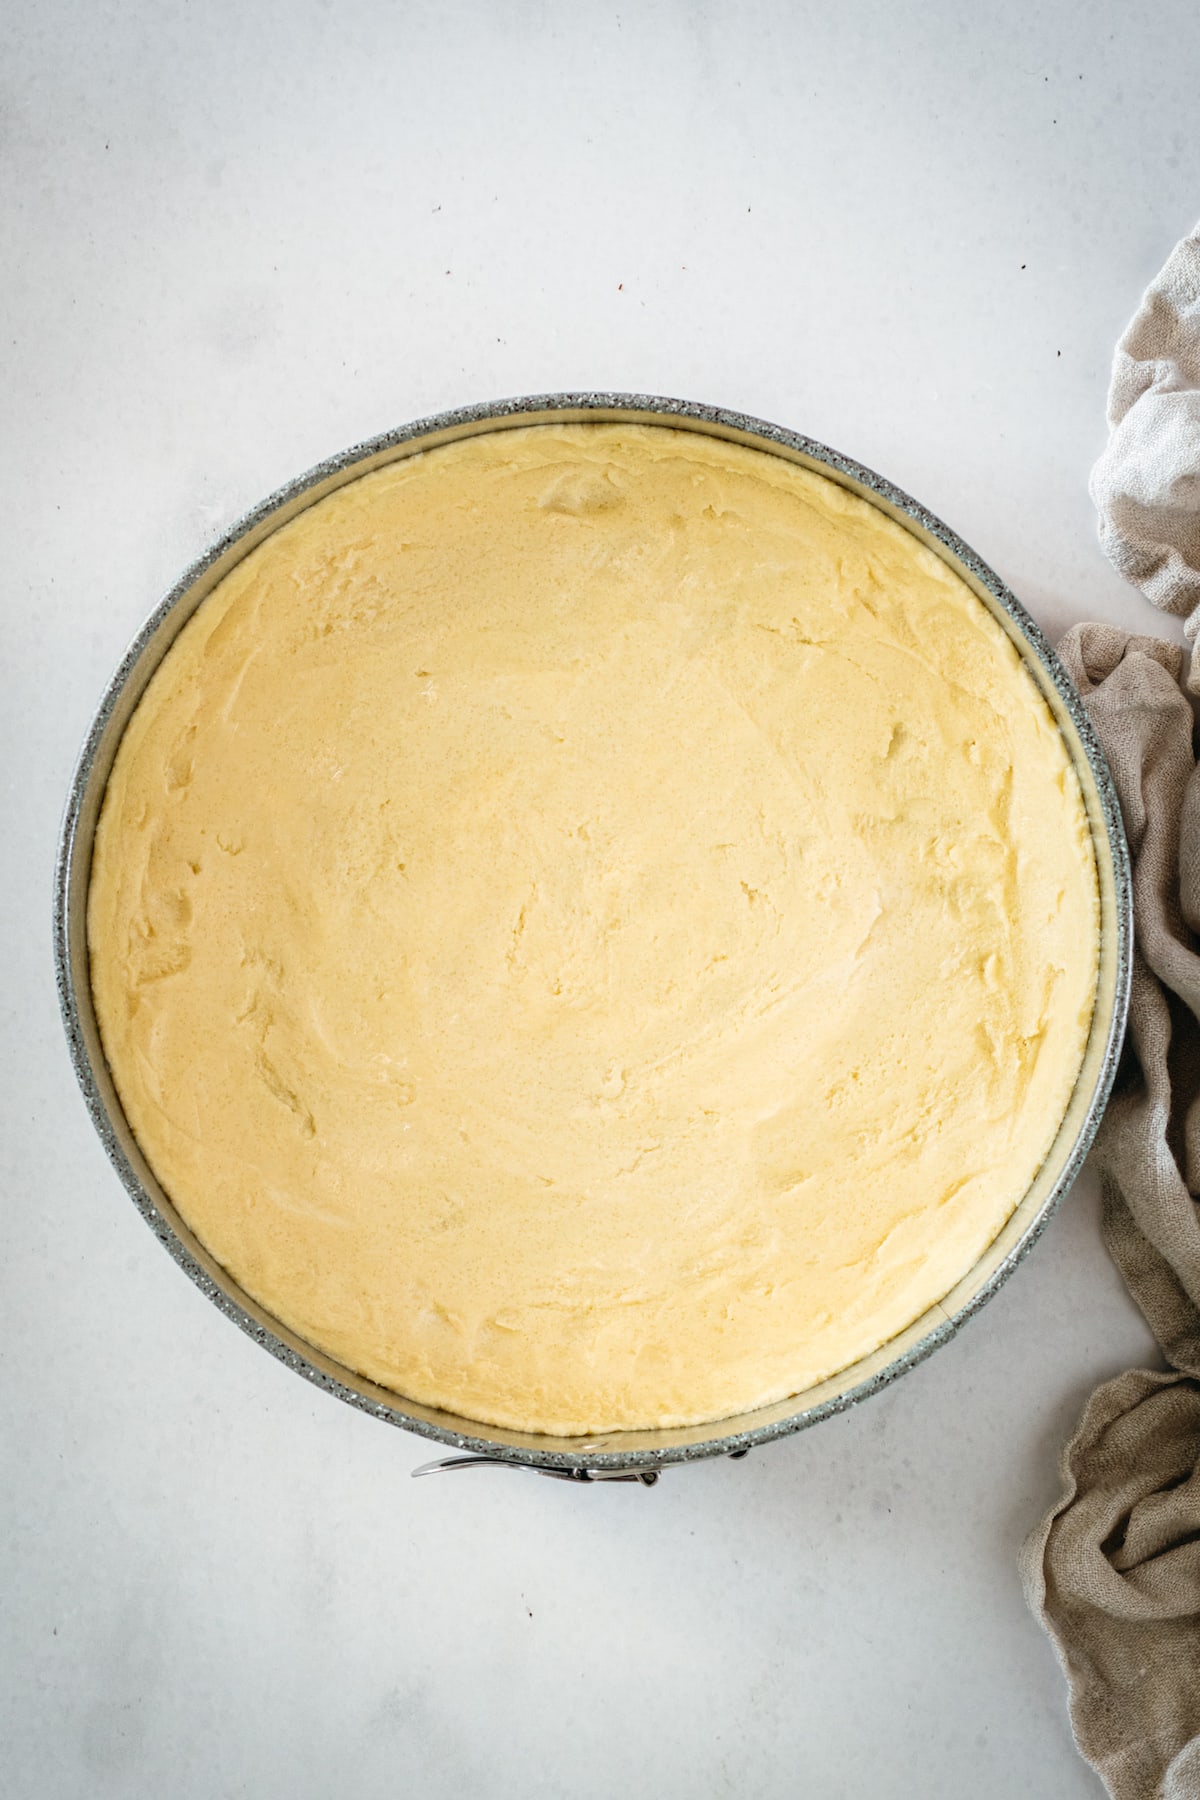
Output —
(1146, 485)
(1114, 1572)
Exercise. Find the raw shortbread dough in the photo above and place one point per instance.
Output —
(594, 927)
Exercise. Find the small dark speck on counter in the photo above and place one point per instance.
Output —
(1022, 265)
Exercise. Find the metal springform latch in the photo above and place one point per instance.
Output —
(642, 1477)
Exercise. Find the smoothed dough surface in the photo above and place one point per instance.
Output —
(593, 927)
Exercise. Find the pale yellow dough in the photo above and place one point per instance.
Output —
(594, 927)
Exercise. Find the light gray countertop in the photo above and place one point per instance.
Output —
(237, 238)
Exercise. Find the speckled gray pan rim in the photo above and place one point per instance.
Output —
(606, 1452)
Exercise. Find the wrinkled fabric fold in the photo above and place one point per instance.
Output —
(1146, 484)
(1114, 1571)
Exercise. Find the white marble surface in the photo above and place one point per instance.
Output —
(237, 237)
